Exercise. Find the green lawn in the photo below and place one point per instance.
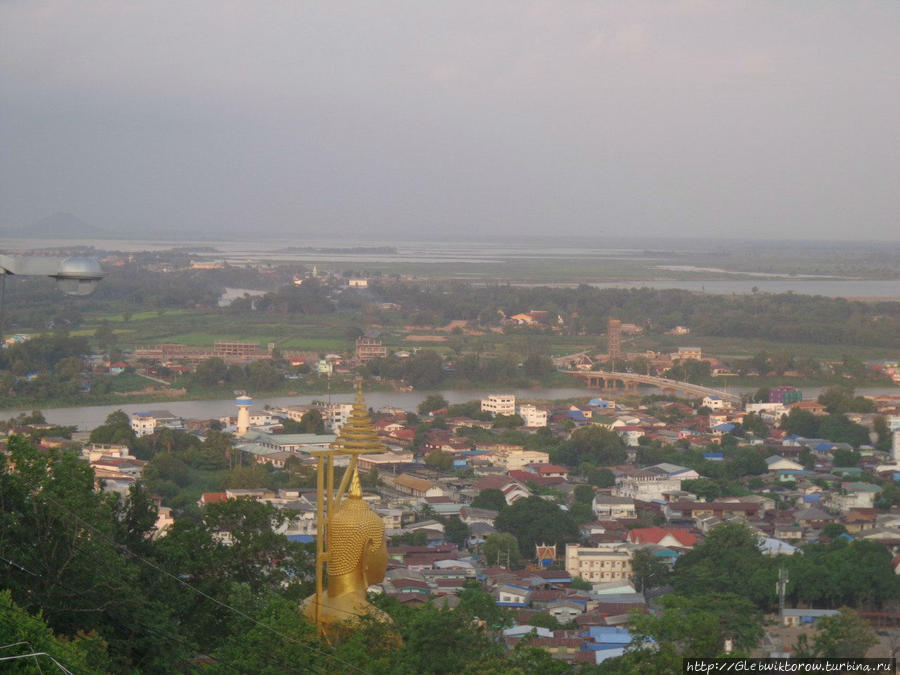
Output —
(136, 316)
(124, 382)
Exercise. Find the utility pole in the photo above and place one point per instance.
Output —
(781, 587)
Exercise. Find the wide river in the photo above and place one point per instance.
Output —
(88, 417)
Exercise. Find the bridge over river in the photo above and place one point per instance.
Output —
(609, 380)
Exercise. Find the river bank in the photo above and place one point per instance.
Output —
(88, 417)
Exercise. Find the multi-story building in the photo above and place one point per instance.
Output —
(368, 348)
(499, 404)
(785, 394)
(646, 485)
(145, 423)
(516, 459)
(334, 415)
(611, 507)
(614, 339)
(716, 403)
(602, 563)
(688, 353)
(533, 416)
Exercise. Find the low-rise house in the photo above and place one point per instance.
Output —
(805, 617)
(813, 517)
(607, 642)
(779, 463)
(512, 490)
(548, 470)
(855, 496)
(417, 487)
(687, 510)
(565, 610)
(772, 546)
(509, 595)
(612, 507)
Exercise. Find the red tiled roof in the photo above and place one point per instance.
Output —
(653, 535)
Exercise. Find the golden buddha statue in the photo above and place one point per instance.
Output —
(357, 558)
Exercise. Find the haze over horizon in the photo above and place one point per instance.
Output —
(453, 120)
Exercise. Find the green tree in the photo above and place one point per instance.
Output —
(281, 640)
(24, 633)
(210, 372)
(601, 478)
(508, 421)
(801, 422)
(481, 606)
(490, 498)
(845, 458)
(698, 626)
(839, 429)
(536, 521)
(881, 427)
(537, 366)
(581, 584)
(543, 620)
(649, 571)
(592, 444)
(104, 336)
(807, 459)
(728, 561)
(501, 547)
(581, 513)
(456, 530)
(312, 423)
(66, 541)
(431, 403)
(262, 375)
(843, 636)
(583, 493)
(116, 429)
(439, 460)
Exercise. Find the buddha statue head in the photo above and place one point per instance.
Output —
(357, 550)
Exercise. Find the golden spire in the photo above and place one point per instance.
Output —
(355, 491)
(357, 435)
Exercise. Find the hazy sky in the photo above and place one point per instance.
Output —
(454, 118)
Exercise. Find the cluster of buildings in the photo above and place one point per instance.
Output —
(798, 492)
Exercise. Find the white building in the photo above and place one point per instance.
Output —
(517, 458)
(646, 485)
(610, 507)
(145, 423)
(335, 415)
(532, 415)
(499, 404)
(599, 564)
(716, 403)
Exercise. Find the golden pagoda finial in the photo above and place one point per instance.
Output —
(355, 491)
(357, 434)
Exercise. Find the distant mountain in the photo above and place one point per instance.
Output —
(59, 226)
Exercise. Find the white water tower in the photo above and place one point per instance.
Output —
(243, 418)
